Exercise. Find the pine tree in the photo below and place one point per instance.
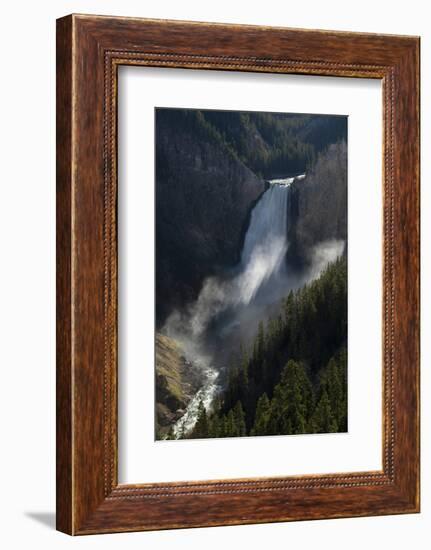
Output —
(260, 348)
(298, 395)
(232, 388)
(333, 380)
(263, 411)
(292, 401)
(290, 317)
(245, 361)
(342, 405)
(286, 356)
(323, 420)
(213, 426)
(276, 412)
(201, 427)
(229, 425)
(239, 415)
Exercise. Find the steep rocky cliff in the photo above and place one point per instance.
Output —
(177, 380)
(319, 204)
(210, 170)
(203, 196)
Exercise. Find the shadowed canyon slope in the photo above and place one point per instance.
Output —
(203, 197)
(251, 208)
(319, 205)
(176, 381)
(211, 168)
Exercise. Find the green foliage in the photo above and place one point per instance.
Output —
(270, 144)
(333, 384)
(229, 424)
(292, 402)
(262, 417)
(295, 379)
(239, 420)
(323, 419)
(202, 427)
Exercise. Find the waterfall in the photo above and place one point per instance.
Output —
(262, 261)
(229, 308)
(268, 221)
(230, 302)
(265, 243)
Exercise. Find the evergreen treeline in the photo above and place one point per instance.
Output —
(294, 379)
(270, 144)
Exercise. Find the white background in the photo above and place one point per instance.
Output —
(27, 232)
(141, 458)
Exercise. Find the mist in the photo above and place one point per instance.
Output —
(229, 308)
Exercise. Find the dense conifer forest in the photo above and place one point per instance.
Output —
(293, 380)
(251, 273)
(271, 145)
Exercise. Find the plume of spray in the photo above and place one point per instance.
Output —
(262, 257)
(260, 280)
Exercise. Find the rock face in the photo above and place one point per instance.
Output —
(319, 204)
(177, 380)
(204, 193)
(210, 170)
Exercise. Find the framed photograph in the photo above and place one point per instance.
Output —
(237, 274)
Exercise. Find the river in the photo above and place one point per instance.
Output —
(206, 394)
(235, 301)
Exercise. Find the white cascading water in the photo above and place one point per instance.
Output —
(261, 278)
(262, 258)
(264, 249)
(265, 243)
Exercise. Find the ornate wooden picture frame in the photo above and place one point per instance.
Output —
(89, 51)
